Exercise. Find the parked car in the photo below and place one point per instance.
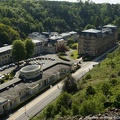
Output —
(13, 64)
(1, 69)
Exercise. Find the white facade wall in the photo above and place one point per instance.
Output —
(5, 55)
(33, 90)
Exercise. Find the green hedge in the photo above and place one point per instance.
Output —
(63, 58)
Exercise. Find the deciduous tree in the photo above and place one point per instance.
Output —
(18, 51)
(29, 46)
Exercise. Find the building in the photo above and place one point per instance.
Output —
(5, 55)
(30, 71)
(70, 35)
(42, 43)
(6, 52)
(15, 91)
(94, 42)
(53, 42)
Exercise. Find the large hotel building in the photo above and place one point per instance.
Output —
(94, 42)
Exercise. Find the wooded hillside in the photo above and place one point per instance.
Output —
(29, 16)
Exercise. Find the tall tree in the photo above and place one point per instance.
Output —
(70, 85)
(29, 46)
(18, 51)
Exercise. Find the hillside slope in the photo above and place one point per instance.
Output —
(38, 16)
(98, 91)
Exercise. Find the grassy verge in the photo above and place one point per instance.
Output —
(63, 57)
(74, 54)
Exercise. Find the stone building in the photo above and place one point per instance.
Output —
(17, 90)
(94, 42)
(6, 52)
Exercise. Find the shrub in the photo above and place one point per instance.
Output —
(92, 106)
(112, 64)
(108, 104)
(63, 111)
(105, 87)
(70, 85)
(63, 100)
(90, 90)
(2, 81)
(113, 75)
(118, 73)
(113, 81)
(74, 46)
(88, 76)
(50, 111)
(70, 41)
(75, 109)
(117, 101)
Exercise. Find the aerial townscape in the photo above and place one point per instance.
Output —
(59, 60)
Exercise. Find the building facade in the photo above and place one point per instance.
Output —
(42, 43)
(13, 93)
(94, 42)
(6, 52)
(70, 35)
(5, 55)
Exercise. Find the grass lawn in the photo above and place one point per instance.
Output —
(74, 46)
(74, 54)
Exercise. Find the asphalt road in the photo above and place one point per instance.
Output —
(34, 107)
(38, 106)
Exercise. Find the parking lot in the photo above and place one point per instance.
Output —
(40, 60)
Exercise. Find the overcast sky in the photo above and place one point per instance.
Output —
(96, 1)
(106, 1)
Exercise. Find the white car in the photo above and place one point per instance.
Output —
(1, 69)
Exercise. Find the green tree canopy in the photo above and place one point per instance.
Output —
(18, 50)
(29, 46)
(7, 34)
(70, 85)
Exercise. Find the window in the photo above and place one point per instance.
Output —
(10, 103)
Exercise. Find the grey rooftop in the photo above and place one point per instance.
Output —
(9, 83)
(91, 31)
(110, 26)
(2, 100)
(3, 49)
(30, 68)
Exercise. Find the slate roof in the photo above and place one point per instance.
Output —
(110, 26)
(6, 48)
(2, 100)
(9, 83)
(91, 31)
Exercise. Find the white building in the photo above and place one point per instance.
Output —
(70, 35)
(6, 52)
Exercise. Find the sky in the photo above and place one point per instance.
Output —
(107, 1)
(96, 1)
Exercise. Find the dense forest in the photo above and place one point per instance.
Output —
(25, 17)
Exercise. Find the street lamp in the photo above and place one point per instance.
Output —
(26, 113)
